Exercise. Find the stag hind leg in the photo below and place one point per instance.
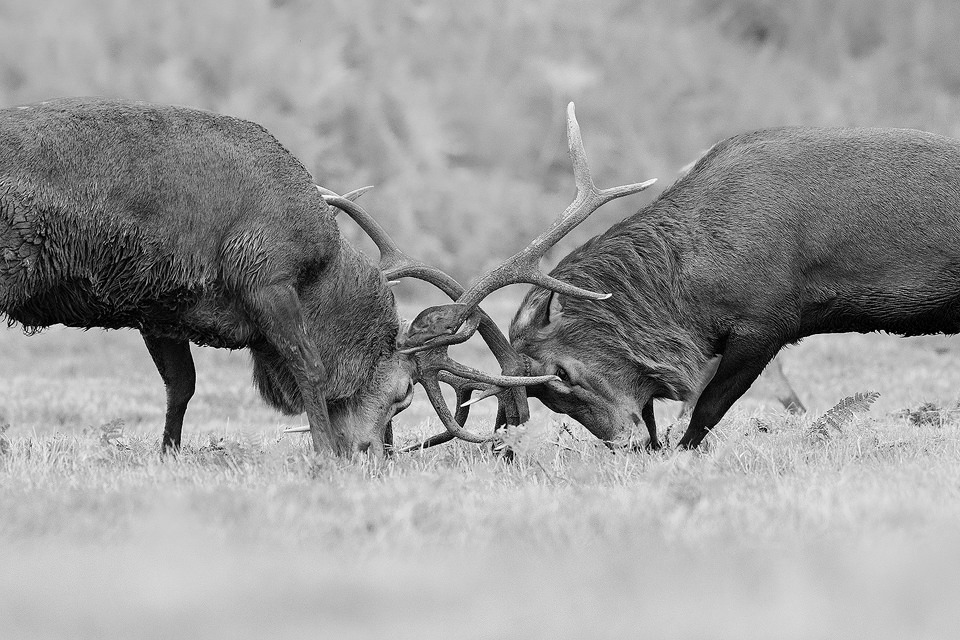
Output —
(743, 360)
(175, 365)
(784, 390)
(279, 317)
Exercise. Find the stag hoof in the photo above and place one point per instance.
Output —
(649, 445)
(169, 451)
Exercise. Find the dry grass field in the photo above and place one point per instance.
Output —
(454, 109)
(771, 532)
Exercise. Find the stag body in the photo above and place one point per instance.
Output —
(771, 237)
(196, 227)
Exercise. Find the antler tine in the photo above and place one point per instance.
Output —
(581, 170)
(578, 155)
(524, 265)
(432, 441)
(489, 392)
(442, 362)
(351, 195)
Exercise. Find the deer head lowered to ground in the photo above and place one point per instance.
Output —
(772, 236)
(196, 227)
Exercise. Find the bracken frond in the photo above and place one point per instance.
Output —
(111, 434)
(843, 412)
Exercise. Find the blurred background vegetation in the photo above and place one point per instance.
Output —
(455, 108)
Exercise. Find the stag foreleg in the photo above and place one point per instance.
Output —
(741, 364)
(279, 316)
(650, 421)
(175, 365)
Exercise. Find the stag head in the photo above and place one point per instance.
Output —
(606, 380)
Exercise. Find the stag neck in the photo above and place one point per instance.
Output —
(367, 334)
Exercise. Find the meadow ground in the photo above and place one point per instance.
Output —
(454, 110)
(770, 532)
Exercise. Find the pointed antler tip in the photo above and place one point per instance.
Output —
(298, 429)
(573, 127)
(351, 195)
(356, 193)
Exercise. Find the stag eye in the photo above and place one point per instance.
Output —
(563, 374)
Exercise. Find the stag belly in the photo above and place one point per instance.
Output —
(60, 265)
(198, 315)
(85, 304)
(909, 302)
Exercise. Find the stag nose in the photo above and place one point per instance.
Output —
(370, 448)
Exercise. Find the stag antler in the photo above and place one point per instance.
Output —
(394, 263)
(435, 366)
(439, 325)
(434, 360)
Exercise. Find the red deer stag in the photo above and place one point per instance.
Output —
(196, 227)
(773, 236)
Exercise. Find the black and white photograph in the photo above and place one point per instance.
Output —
(508, 319)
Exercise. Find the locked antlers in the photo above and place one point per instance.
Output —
(433, 363)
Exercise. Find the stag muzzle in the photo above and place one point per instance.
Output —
(369, 422)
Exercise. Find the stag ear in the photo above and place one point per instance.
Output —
(537, 311)
(403, 331)
(555, 308)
